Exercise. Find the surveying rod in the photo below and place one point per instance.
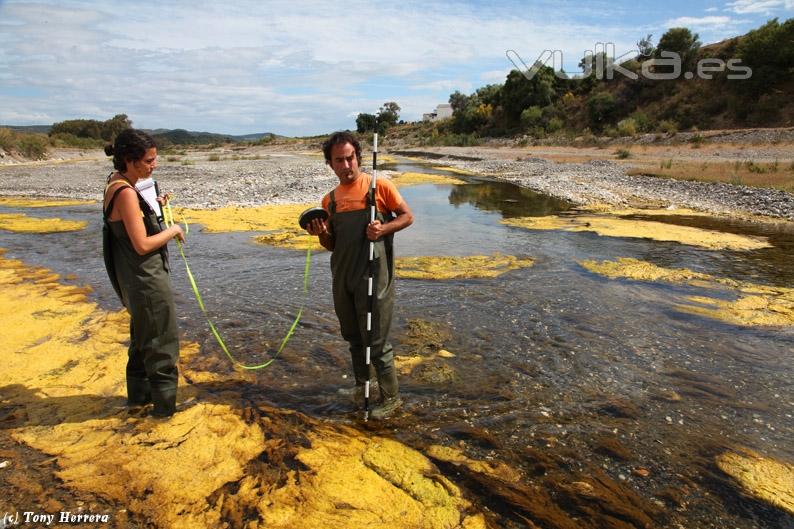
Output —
(371, 295)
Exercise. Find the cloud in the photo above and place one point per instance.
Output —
(444, 85)
(699, 22)
(494, 76)
(743, 7)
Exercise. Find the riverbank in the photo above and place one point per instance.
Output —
(252, 176)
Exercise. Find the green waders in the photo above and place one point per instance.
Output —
(349, 268)
(145, 290)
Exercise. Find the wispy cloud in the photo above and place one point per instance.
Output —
(494, 76)
(743, 7)
(444, 85)
(699, 22)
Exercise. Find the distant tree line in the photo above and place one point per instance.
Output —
(91, 128)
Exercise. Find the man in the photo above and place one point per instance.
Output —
(347, 234)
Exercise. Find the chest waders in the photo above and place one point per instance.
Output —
(145, 290)
(349, 269)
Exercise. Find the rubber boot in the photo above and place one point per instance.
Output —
(139, 392)
(386, 408)
(164, 399)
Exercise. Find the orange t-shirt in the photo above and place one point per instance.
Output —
(353, 196)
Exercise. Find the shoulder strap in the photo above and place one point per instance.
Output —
(106, 212)
(331, 203)
(145, 207)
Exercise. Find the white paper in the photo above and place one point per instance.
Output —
(148, 190)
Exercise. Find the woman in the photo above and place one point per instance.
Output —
(136, 258)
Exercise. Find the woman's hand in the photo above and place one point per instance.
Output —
(178, 233)
(164, 198)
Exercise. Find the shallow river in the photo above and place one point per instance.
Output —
(557, 372)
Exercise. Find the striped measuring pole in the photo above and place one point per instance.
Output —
(370, 294)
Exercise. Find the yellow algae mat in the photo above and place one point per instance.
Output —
(469, 267)
(767, 479)
(412, 179)
(455, 170)
(755, 304)
(21, 223)
(280, 220)
(23, 202)
(64, 362)
(610, 226)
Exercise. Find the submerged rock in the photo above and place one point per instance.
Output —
(764, 478)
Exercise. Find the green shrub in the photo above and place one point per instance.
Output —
(66, 139)
(532, 117)
(214, 158)
(622, 154)
(32, 146)
(642, 122)
(600, 106)
(555, 124)
(697, 140)
(8, 140)
(668, 125)
(627, 127)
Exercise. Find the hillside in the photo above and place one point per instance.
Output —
(742, 82)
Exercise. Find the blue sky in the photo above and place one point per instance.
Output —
(300, 68)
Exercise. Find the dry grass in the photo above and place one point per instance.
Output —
(772, 175)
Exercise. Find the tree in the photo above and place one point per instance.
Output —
(519, 93)
(458, 101)
(600, 107)
(490, 94)
(769, 51)
(389, 114)
(366, 123)
(112, 127)
(645, 47)
(682, 42)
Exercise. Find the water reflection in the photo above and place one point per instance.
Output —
(508, 199)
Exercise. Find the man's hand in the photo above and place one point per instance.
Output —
(320, 228)
(317, 227)
(376, 230)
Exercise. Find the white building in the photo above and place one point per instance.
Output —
(442, 111)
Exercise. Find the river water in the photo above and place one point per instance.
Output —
(558, 372)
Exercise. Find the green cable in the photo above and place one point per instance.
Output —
(169, 221)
